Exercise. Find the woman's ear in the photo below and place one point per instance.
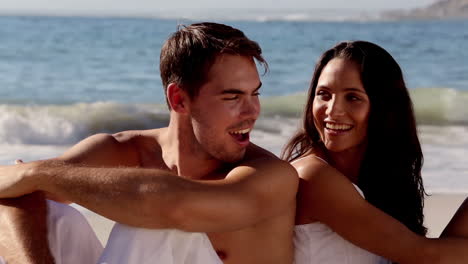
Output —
(177, 98)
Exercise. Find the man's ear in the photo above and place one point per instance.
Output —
(177, 98)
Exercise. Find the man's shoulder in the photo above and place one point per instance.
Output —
(149, 135)
(313, 165)
(120, 149)
(263, 160)
(266, 175)
(138, 139)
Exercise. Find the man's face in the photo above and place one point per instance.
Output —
(226, 108)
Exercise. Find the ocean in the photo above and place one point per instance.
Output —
(65, 78)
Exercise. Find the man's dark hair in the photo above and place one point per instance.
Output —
(187, 56)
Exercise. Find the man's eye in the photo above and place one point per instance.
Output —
(235, 97)
(256, 94)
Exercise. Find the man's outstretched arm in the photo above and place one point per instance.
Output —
(158, 199)
(89, 175)
(19, 219)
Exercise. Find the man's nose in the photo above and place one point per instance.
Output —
(251, 108)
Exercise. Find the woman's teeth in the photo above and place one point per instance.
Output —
(337, 126)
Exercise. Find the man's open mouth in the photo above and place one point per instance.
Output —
(241, 135)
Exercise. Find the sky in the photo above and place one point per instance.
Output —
(147, 6)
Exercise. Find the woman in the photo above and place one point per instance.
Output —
(359, 139)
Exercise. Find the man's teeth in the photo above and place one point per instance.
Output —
(244, 131)
(337, 126)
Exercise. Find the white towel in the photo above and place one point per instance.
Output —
(168, 246)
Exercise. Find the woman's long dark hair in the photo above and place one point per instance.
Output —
(390, 174)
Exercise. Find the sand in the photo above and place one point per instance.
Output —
(439, 209)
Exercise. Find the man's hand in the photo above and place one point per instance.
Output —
(14, 180)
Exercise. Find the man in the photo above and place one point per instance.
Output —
(199, 174)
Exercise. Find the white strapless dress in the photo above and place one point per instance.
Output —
(316, 243)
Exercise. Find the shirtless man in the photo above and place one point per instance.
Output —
(199, 174)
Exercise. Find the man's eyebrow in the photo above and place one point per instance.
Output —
(232, 91)
(238, 91)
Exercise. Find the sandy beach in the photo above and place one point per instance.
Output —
(439, 209)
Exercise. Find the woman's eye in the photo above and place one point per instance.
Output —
(353, 98)
(323, 94)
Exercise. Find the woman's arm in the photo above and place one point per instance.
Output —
(327, 196)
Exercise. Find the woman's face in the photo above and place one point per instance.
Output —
(341, 107)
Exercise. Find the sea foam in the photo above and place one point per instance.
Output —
(67, 124)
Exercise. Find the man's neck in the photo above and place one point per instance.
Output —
(182, 156)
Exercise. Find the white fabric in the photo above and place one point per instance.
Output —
(71, 238)
(316, 243)
(166, 246)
